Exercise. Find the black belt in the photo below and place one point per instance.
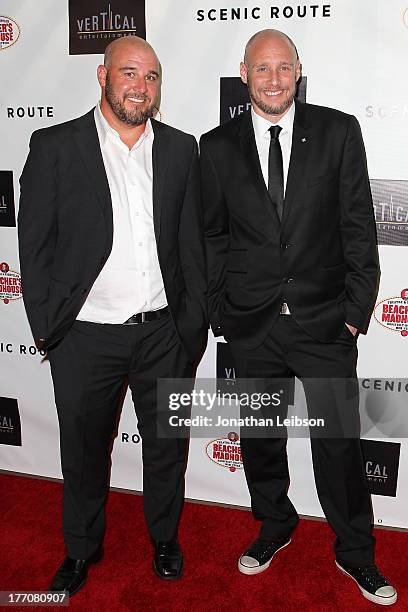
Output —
(146, 317)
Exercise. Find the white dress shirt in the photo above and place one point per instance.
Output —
(131, 280)
(263, 139)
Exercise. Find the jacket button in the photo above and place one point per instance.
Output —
(287, 280)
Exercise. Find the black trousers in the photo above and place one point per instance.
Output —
(89, 369)
(337, 462)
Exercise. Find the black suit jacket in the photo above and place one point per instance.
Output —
(322, 259)
(66, 227)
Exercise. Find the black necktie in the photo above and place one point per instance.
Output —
(275, 170)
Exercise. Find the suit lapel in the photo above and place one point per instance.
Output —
(87, 141)
(161, 149)
(298, 157)
(250, 151)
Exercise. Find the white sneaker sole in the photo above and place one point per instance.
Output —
(251, 571)
(383, 601)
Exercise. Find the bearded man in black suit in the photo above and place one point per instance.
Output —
(113, 268)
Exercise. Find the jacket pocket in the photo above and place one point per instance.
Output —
(237, 266)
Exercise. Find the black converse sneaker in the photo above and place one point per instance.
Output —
(371, 583)
(259, 555)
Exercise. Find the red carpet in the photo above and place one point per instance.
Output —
(303, 576)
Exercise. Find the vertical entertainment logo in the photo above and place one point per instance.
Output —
(7, 211)
(225, 367)
(96, 23)
(10, 425)
(390, 201)
(382, 464)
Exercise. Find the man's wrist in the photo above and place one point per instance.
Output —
(352, 329)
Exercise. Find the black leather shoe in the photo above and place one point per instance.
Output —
(168, 560)
(72, 573)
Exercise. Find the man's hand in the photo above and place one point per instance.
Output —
(352, 329)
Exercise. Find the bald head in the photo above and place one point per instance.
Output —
(269, 35)
(128, 43)
(271, 69)
(130, 79)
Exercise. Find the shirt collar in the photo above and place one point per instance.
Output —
(262, 125)
(106, 131)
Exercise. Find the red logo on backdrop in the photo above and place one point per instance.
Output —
(10, 283)
(9, 32)
(226, 452)
(392, 313)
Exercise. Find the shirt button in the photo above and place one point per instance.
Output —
(143, 273)
(140, 244)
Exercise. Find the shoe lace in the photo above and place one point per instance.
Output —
(373, 576)
(260, 546)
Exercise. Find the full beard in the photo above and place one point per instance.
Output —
(271, 109)
(133, 117)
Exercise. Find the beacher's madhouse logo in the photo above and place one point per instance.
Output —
(9, 32)
(96, 23)
(392, 313)
(226, 452)
(10, 283)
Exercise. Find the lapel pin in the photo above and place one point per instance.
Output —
(303, 139)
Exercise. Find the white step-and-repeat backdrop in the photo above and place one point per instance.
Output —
(354, 59)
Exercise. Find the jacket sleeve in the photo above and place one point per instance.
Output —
(37, 232)
(191, 248)
(358, 231)
(216, 232)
